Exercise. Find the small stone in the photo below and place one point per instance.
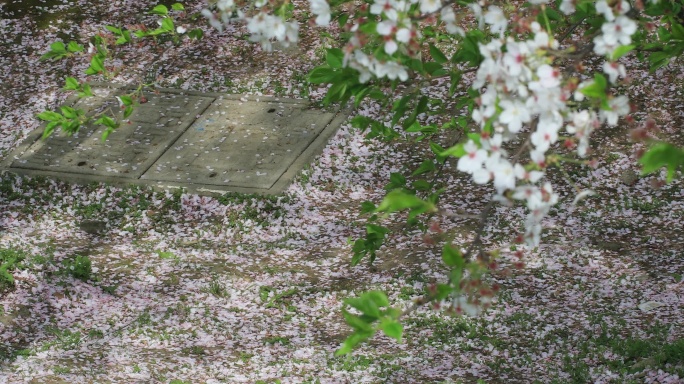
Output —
(93, 227)
(629, 177)
(650, 305)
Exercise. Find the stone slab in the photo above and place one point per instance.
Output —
(207, 143)
(129, 151)
(245, 144)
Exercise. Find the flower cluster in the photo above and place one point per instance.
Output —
(522, 92)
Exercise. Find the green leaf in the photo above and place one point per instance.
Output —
(50, 116)
(421, 185)
(107, 122)
(58, 47)
(127, 112)
(662, 155)
(167, 24)
(621, 51)
(392, 328)
(455, 80)
(159, 10)
(96, 65)
(678, 31)
(377, 297)
(126, 100)
(196, 34)
(658, 60)
(334, 57)
(49, 128)
(367, 207)
(113, 29)
(399, 108)
(397, 180)
(124, 38)
(178, 7)
(398, 200)
(352, 341)
(86, 91)
(69, 112)
(426, 166)
(323, 74)
(434, 69)
(452, 256)
(455, 151)
(356, 322)
(166, 255)
(71, 84)
(367, 307)
(597, 88)
(437, 55)
(106, 133)
(75, 47)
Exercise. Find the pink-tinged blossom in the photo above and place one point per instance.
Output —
(544, 137)
(392, 34)
(387, 7)
(581, 126)
(514, 58)
(364, 64)
(531, 176)
(321, 9)
(502, 172)
(567, 7)
(619, 31)
(604, 47)
(619, 106)
(448, 16)
(603, 8)
(429, 6)
(392, 70)
(514, 114)
(549, 76)
(493, 145)
(496, 19)
(614, 70)
(473, 159)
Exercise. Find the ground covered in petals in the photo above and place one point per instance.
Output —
(179, 288)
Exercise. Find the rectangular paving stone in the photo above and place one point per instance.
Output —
(207, 143)
(129, 151)
(248, 144)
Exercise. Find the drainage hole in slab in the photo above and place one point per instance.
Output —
(271, 110)
(213, 174)
(81, 163)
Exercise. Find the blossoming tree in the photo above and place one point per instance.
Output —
(536, 79)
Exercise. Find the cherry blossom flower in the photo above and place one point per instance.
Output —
(567, 7)
(448, 16)
(603, 8)
(620, 31)
(496, 19)
(581, 126)
(493, 145)
(386, 7)
(522, 174)
(321, 9)
(392, 70)
(429, 6)
(619, 106)
(614, 70)
(473, 159)
(514, 114)
(544, 137)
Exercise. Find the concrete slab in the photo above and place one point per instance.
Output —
(207, 143)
